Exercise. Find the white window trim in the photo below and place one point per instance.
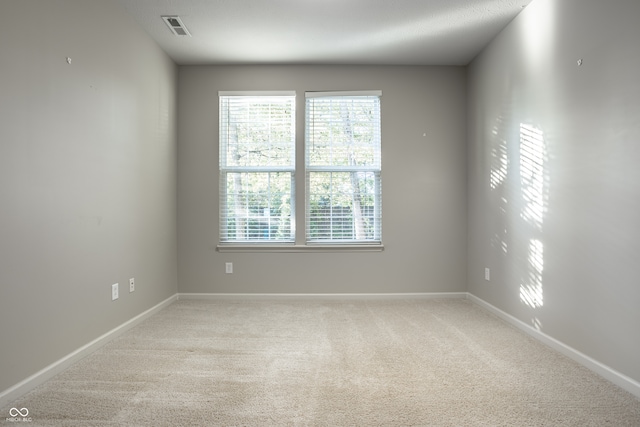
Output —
(377, 169)
(230, 169)
(300, 245)
(324, 94)
(256, 93)
(308, 248)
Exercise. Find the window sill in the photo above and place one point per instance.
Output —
(317, 248)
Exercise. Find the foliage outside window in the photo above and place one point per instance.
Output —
(342, 171)
(257, 166)
(343, 167)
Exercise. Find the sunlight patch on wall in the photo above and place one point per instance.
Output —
(499, 166)
(499, 161)
(537, 324)
(498, 177)
(531, 292)
(533, 156)
(532, 160)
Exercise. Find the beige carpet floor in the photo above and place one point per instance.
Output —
(443, 362)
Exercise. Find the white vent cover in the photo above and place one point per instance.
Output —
(176, 26)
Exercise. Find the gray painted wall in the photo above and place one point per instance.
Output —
(88, 177)
(556, 215)
(424, 184)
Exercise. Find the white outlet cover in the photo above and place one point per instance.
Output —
(114, 292)
(132, 285)
(228, 267)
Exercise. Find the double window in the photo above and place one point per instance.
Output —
(342, 168)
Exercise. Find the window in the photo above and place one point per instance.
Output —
(343, 167)
(342, 171)
(257, 166)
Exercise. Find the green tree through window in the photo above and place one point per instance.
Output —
(342, 170)
(257, 167)
(343, 167)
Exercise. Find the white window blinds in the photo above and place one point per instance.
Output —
(343, 167)
(257, 166)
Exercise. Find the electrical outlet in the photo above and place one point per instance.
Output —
(228, 267)
(114, 292)
(132, 285)
(487, 274)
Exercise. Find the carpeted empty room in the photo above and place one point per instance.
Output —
(319, 213)
(430, 362)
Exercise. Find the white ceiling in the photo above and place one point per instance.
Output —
(404, 32)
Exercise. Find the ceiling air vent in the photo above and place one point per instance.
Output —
(176, 26)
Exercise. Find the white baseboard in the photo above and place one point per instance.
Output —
(381, 296)
(619, 379)
(13, 393)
